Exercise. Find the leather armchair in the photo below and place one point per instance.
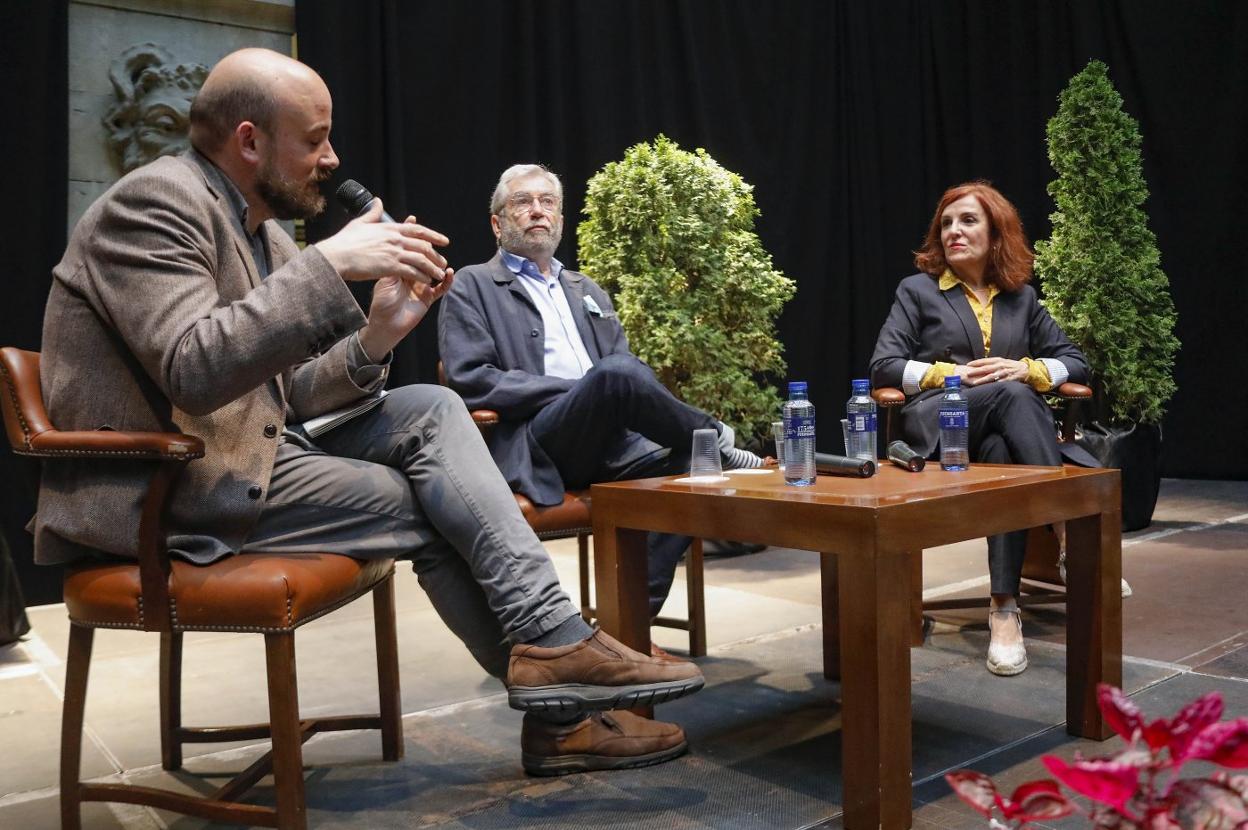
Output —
(269, 594)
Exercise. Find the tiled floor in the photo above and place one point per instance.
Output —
(764, 733)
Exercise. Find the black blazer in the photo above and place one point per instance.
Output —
(930, 325)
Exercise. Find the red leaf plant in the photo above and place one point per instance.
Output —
(1139, 788)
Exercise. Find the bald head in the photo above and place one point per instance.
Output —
(248, 85)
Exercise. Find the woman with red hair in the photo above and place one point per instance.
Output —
(972, 313)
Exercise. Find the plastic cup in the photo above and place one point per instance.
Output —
(705, 463)
(777, 430)
(845, 433)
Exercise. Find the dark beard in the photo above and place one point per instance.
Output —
(287, 199)
(513, 240)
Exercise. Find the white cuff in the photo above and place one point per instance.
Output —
(912, 376)
(1058, 373)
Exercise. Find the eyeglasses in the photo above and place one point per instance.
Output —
(519, 202)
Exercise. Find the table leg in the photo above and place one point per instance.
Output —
(621, 584)
(875, 688)
(831, 616)
(1093, 618)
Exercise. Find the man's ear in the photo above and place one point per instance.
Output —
(250, 141)
(494, 225)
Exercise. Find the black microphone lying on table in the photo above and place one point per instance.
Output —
(356, 200)
(900, 453)
(839, 465)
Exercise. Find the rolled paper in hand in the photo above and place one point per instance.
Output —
(900, 453)
(839, 465)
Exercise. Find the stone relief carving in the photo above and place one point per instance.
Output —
(151, 116)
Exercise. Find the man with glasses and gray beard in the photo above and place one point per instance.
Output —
(542, 346)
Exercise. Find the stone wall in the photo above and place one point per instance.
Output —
(191, 31)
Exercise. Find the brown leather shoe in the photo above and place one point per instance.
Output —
(597, 673)
(604, 740)
(663, 656)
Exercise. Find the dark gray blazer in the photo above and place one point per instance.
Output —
(930, 325)
(492, 343)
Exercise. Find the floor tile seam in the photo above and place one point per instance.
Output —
(36, 643)
(1191, 658)
(1162, 534)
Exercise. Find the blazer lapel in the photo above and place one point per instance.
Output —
(1006, 330)
(956, 297)
(574, 289)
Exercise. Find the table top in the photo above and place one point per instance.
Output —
(889, 486)
(911, 510)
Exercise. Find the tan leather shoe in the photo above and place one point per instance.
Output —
(663, 656)
(597, 673)
(604, 740)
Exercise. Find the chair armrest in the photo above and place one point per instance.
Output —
(888, 396)
(139, 446)
(1073, 390)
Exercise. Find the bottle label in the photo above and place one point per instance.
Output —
(954, 419)
(797, 427)
(862, 422)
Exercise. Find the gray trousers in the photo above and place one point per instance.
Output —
(413, 479)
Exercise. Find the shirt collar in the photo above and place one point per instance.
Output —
(520, 266)
(226, 185)
(949, 280)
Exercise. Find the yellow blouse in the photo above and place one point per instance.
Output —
(1037, 373)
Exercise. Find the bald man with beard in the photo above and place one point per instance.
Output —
(180, 305)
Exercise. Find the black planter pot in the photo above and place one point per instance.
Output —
(1135, 449)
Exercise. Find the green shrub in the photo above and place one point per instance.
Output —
(1101, 271)
(670, 234)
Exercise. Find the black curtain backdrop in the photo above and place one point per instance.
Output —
(34, 98)
(849, 119)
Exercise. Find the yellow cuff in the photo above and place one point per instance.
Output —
(934, 378)
(1038, 377)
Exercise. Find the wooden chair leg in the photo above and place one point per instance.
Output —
(388, 671)
(171, 700)
(582, 559)
(284, 727)
(77, 665)
(697, 600)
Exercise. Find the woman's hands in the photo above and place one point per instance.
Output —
(992, 370)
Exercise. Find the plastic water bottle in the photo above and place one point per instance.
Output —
(799, 437)
(954, 426)
(861, 412)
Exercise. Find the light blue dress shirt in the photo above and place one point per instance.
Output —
(565, 354)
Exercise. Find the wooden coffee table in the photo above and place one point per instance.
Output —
(870, 533)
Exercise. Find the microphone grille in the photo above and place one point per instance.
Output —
(353, 196)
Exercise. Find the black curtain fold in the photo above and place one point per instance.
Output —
(848, 118)
(34, 46)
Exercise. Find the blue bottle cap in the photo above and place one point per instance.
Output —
(953, 382)
(862, 385)
(797, 386)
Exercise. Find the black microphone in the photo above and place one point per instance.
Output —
(840, 465)
(356, 200)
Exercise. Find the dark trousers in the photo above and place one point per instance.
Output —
(1010, 424)
(619, 422)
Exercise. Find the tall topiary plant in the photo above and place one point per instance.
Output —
(1100, 270)
(671, 235)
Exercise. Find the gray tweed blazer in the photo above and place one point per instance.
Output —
(158, 321)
